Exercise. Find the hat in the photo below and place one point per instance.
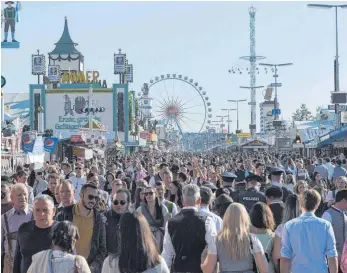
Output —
(209, 185)
(228, 177)
(276, 171)
(8, 2)
(254, 178)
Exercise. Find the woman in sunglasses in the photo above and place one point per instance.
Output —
(156, 215)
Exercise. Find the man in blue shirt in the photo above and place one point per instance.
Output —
(308, 241)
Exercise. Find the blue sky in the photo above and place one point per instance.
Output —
(199, 39)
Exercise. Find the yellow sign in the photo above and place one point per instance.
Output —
(243, 135)
(80, 77)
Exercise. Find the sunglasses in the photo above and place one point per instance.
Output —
(121, 202)
(92, 197)
(149, 193)
(39, 173)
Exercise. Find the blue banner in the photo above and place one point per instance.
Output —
(28, 139)
(50, 143)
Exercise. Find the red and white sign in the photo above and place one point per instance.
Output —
(144, 135)
(76, 138)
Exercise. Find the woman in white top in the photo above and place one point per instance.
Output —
(291, 211)
(137, 251)
(341, 184)
(60, 259)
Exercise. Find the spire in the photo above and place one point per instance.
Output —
(65, 45)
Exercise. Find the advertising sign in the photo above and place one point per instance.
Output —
(244, 135)
(129, 72)
(38, 64)
(66, 112)
(28, 141)
(54, 73)
(50, 143)
(119, 63)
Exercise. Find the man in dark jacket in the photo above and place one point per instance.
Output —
(276, 177)
(252, 195)
(91, 226)
(228, 183)
(188, 233)
(120, 204)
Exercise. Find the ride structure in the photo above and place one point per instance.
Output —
(176, 102)
(252, 59)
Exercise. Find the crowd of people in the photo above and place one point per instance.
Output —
(177, 212)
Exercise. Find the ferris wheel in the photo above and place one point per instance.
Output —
(178, 102)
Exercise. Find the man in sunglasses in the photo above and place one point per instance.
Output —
(91, 226)
(120, 205)
(94, 179)
(78, 180)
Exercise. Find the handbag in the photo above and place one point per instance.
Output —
(255, 269)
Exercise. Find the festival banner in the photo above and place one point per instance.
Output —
(38, 65)
(50, 143)
(29, 141)
(54, 73)
(119, 63)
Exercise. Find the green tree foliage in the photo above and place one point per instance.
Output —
(302, 114)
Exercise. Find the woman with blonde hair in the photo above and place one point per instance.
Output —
(237, 248)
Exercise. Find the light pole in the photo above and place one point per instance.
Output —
(224, 109)
(276, 111)
(237, 111)
(222, 119)
(336, 67)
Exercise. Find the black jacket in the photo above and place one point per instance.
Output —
(98, 251)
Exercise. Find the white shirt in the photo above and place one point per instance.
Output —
(78, 182)
(331, 168)
(210, 238)
(151, 181)
(216, 219)
(330, 196)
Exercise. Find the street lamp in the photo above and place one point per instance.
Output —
(222, 119)
(224, 109)
(237, 110)
(321, 6)
(276, 111)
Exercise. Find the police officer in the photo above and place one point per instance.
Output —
(252, 195)
(228, 183)
(277, 180)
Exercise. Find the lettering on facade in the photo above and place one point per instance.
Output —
(81, 77)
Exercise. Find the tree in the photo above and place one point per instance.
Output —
(302, 114)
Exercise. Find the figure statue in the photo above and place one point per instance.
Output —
(68, 108)
(10, 20)
(145, 89)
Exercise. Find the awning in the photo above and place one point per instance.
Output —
(332, 136)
